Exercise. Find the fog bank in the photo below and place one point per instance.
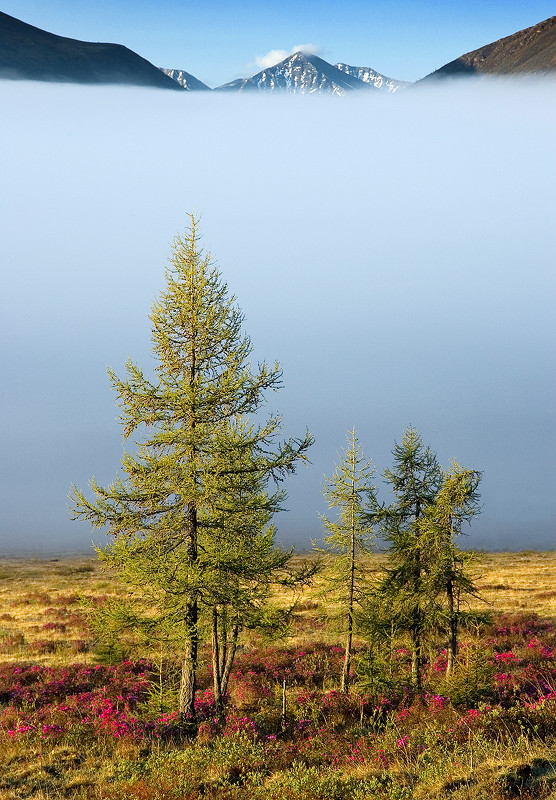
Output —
(395, 254)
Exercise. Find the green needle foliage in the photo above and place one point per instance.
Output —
(350, 535)
(444, 563)
(427, 573)
(415, 479)
(242, 560)
(189, 518)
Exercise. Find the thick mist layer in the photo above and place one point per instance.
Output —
(394, 254)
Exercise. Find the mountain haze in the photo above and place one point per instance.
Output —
(29, 53)
(300, 73)
(532, 50)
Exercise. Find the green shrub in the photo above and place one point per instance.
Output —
(110, 653)
(471, 682)
(302, 782)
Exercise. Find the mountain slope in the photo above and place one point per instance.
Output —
(373, 77)
(29, 53)
(299, 74)
(187, 81)
(532, 50)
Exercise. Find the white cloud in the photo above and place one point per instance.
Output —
(308, 49)
(271, 58)
(275, 56)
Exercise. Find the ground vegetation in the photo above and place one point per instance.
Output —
(80, 721)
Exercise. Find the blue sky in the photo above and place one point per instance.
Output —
(220, 40)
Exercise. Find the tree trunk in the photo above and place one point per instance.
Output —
(223, 642)
(188, 685)
(223, 654)
(453, 619)
(347, 655)
(417, 622)
(216, 665)
(416, 657)
(284, 718)
(230, 655)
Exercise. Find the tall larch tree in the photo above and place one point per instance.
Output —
(166, 512)
(349, 536)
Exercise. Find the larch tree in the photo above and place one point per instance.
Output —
(349, 536)
(415, 479)
(245, 562)
(445, 565)
(174, 514)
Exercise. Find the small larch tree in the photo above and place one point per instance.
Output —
(166, 513)
(349, 536)
(445, 565)
(415, 479)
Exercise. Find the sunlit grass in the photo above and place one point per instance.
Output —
(70, 729)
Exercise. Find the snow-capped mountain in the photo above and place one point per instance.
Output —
(373, 77)
(299, 74)
(30, 53)
(189, 82)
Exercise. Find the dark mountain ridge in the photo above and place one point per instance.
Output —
(29, 53)
(530, 51)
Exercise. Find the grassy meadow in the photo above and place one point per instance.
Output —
(79, 719)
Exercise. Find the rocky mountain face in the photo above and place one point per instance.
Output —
(187, 81)
(299, 74)
(29, 53)
(370, 76)
(530, 51)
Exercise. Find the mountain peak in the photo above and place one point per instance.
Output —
(373, 78)
(300, 73)
(186, 80)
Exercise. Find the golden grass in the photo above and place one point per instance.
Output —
(518, 582)
(35, 593)
(507, 582)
